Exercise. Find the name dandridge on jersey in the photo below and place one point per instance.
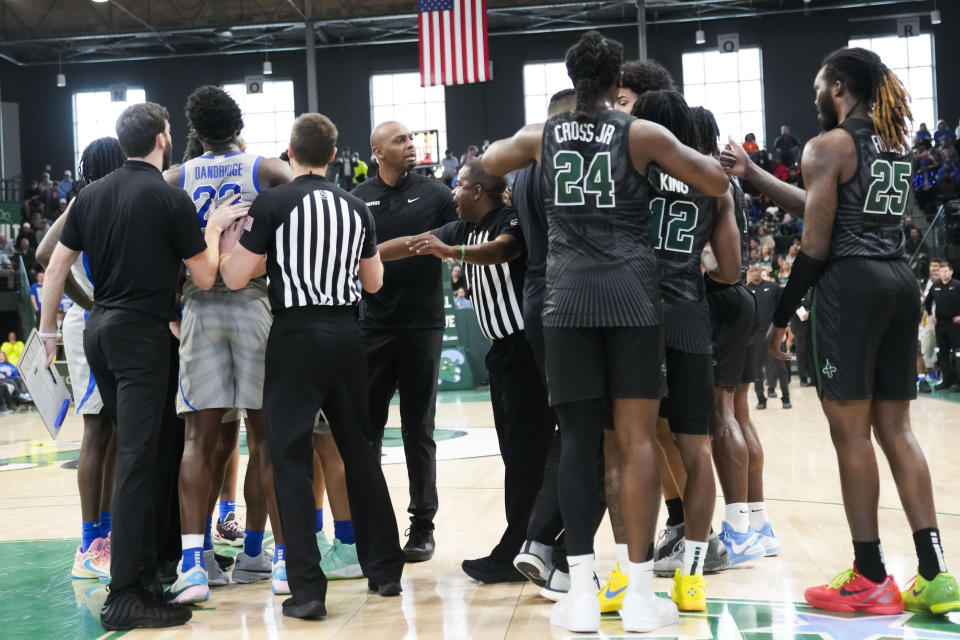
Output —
(218, 171)
(583, 132)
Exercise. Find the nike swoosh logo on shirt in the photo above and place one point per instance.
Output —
(610, 595)
(410, 200)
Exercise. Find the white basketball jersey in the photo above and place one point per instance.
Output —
(207, 178)
(81, 273)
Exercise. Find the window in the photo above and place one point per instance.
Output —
(267, 117)
(399, 96)
(95, 116)
(912, 60)
(540, 82)
(731, 86)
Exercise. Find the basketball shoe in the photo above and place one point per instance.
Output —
(91, 563)
(644, 612)
(689, 592)
(534, 562)
(611, 593)
(248, 570)
(850, 591)
(579, 613)
(771, 546)
(217, 577)
(190, 587)
(741, 547)
(940, 595)
(278, 583)
(229, 531)
(667, 541)
(341, 562)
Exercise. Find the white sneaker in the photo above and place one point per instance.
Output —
(190, 587)
(215, 575)
(646, 612)
(579, 613)
(556, 586)
(771, 545)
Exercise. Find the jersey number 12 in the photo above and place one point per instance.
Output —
(890, 188)
(568, 190)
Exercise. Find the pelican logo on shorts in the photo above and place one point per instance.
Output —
(829, 369)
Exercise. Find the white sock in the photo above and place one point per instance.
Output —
(191, 541)
(737, 515)
(623, 557)
(694, 553)
(641, 577)
(581, 574)
(758, 515)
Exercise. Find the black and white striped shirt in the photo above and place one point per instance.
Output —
(496, 290)
(313, 234)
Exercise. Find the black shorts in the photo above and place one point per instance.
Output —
(733, 313)
(689, 402)
(603, 362)
(863, 322)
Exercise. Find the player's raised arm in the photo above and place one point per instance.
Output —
(650, 142)
(514, 153)
(725, 241)
(737, 163)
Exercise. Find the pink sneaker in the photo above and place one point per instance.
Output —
(90, 563)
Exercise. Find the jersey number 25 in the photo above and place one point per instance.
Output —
(890, 188)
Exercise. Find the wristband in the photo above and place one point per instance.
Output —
(48, 335)
(804, 274)
(463, 252)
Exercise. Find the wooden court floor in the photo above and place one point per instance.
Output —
(40, 515)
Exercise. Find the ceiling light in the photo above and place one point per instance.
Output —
(61, 80)
(701, 36)
(935, 16)
(101, 1)
(267, 68)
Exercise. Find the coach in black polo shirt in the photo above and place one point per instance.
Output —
(135, 231)
(320, 244)
(403, 322)
(946, 295)
(488, 241)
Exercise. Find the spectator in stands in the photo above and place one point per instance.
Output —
(943, 132)
(949, 166)
(471, 154)
(792, 253)
(788, 145)
(14, 389)
(36, 291)
(764, 239)
(913, 241)
(765, 261)
(908, 224)
(784, 267)
(360, 169)
(28, 253)
(65, 185)
(750, 144)
(6, 247)
(922, 133)
(780, 170)
(12, 348)
(458, 280)
(26, 233)
(46, 184)
(450, 167)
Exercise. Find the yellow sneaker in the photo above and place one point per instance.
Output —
(689, 592)
(610, 594)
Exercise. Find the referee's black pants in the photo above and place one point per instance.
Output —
(169, 453)
(948, 341)
(525, 424)
(315, 359)
(408, 360)
(128, 353)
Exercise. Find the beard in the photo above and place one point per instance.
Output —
(168, 154)
(829, 119)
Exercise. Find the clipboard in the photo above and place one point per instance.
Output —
(49, 392)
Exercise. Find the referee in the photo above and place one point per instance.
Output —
(403, 322)
(488, 241)
(946, 295)
(134, 230)
(321, 246)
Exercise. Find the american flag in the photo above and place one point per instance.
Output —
(453, 42)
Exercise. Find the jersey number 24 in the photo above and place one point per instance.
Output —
(570, 184)
(890, 188)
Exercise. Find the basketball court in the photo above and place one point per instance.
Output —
(761, 600)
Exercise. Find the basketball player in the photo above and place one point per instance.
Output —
(98, 447)
(602, 315)
(223, 338)
(683, 222)
(857, 178)
(639, 77)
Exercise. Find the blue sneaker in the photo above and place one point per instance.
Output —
(278, 583)
(771, 545)
(741, 547)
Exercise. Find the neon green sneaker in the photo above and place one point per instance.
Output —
(940, 595)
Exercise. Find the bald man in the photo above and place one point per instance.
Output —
(403, 322)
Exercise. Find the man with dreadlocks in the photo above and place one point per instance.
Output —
(602, 316)
(97, 449)
(857, 177)
(223, 344)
